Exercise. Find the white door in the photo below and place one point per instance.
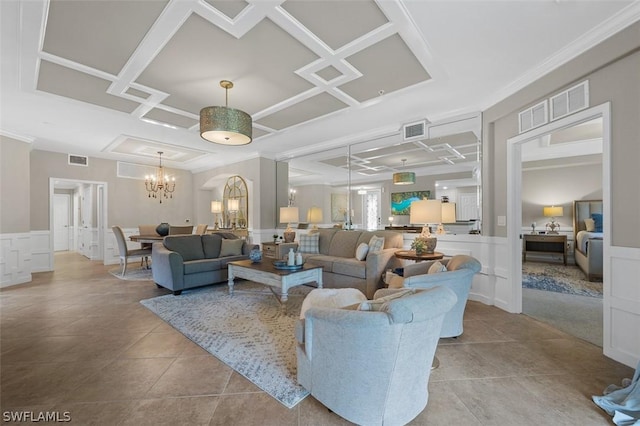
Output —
(467, 207)
(61, 222)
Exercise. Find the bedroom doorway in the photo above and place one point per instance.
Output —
(514, 201)
(558, 168)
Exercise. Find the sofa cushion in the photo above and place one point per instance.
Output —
(344, 243)
(202, 265)
(376, 244)
(350, 266)
(231, 247)
(436, 268)
(392, 239)
(224, 261)
(331, 298)
(379, 304)
(211, 244)
(361, 251)
(309, 243)
(324, 241)
(321, 260)
(189, 246)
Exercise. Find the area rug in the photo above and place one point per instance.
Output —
(558, 278)
(135, 273)
(247, 331)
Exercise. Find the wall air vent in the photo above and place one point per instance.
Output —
(570, 101)
(417, 130)
(533, 117)
(78, 160)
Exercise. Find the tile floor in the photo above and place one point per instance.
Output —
(76, 340)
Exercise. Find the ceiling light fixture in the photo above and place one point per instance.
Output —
(224, 125)
(159, 185)
(404, 178)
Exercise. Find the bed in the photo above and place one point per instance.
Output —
(587, 233)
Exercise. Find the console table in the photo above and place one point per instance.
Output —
(544, 243)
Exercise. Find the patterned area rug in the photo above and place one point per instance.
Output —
(247, 331)
(134, 273)
(559, 278)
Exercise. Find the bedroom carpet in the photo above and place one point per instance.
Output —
(247, 331)
(558, 278)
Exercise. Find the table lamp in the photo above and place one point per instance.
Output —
(448, 216)
(233, 205)
(314, 217)
(553, 212)
(426, 212)
(289, 215)
(216, 209)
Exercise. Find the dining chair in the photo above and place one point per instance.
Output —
(126, 253)
(201, 229)
(147, 230)
(180, 229)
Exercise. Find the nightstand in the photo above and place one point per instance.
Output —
(277, 250)
(544, 243)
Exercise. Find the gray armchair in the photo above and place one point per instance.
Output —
(126, 253)
(458, 277)
(373, 368)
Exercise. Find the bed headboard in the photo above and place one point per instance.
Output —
(582, 210)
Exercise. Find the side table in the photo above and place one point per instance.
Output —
(412, 255)
(277, 250)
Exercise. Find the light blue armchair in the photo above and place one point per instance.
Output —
(458, 277)
(372, 368)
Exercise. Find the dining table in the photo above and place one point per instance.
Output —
(146, 238)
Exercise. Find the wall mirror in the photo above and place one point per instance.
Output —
(235, 198)
(353, 185)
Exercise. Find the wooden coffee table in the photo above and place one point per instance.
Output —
(277, 279)
(411, 255)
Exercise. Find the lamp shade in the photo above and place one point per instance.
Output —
(314, 215)
(216, 207)
(448, 212)
(226, 126)
(426, 211)
(233, 204)
(553, 211)
(404, 178)
(289, 215)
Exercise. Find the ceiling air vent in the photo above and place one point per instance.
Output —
(570, 101)
(417, 130)
(533, 117)
(78, 160)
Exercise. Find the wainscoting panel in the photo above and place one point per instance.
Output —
(622, 306)
(15, 259)
(41, 254)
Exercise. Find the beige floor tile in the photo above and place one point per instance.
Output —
(98, 413)
(312, 412)
(172, 411)
(240, 384)
(253, 409)
(203, 375)
(158, 345)
(444, 408)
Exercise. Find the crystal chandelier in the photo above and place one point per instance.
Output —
(159, 185)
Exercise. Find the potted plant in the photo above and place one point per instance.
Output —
(419, 245)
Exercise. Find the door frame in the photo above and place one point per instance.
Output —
(102, 213)
(514, 203)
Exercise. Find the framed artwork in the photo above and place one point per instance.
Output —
(338, 207)
(401, 201)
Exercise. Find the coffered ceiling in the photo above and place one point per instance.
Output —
(125, 79)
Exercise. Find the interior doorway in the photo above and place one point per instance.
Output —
(557, 169)
(84, 211)
(514, 200)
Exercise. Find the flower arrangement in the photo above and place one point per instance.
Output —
(419, 245)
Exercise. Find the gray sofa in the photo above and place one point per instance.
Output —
(337, 249)
(181, 262)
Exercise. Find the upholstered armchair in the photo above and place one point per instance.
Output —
(372, 367)
(458, 277)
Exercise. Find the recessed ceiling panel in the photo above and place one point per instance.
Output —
(388, 66)
(314, 107)
(99, 34)
(337, 22)
(231, 8)
(163, 116)
(134, 92)
(139, 147)
(261, 65)
(74, 84)
(329, 73)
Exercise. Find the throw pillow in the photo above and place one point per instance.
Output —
(231, 247)
(376, 304)
(309, 243)
(361, 251)
(436, 268)
(376, 244)
(597, 219)
(336, 298)
(590, 224)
